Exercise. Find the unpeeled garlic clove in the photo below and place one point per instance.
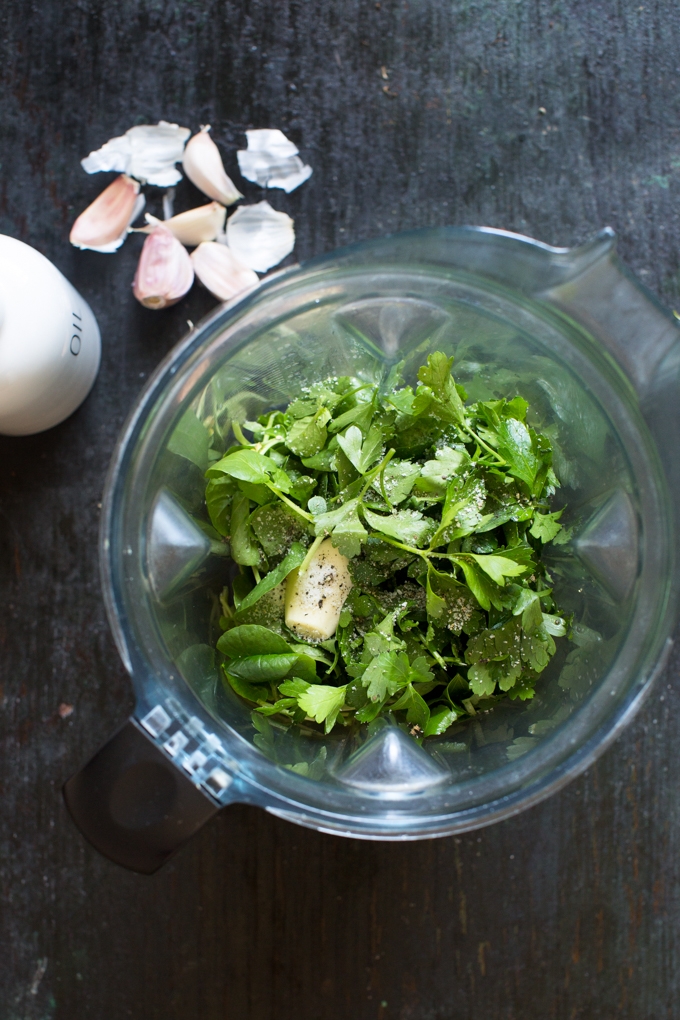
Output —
(103, 225)
(203, 166)
(164, 273)
(195, 225)
(220, 271)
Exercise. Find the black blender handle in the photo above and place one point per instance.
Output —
(133, 805)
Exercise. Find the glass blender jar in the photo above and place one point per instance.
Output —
(569, 330)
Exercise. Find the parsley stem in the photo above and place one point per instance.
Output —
(489, 449)
(376, 471)
(310, 552)
(289, 502)
(236, 428)
(407, 548)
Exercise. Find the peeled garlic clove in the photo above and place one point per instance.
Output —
(195, 225)
(103, 225)
(220, 271)
(315, 597)
(148, 152)
(164, 273)
(260, 236)
(203, 166)
(272, 161)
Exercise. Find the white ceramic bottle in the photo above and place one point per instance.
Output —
(49, 342)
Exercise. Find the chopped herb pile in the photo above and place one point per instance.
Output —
(439, 510)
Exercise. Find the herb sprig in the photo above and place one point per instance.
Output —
(441, 509)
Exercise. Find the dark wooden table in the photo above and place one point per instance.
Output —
(550, 117)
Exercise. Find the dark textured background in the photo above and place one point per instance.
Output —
(571, 909)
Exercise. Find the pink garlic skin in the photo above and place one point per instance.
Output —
(220, 271)
(106, 219)
(164, 272)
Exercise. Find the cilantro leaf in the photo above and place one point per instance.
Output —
(499, 567)
(344, 526)
(323, 703)
(517, 446)
(362, 454)
(436, 375)
(546, 526)
(398, 478)
(436, 473)
(417, 711)
(407, 526)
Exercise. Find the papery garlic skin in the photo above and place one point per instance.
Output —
(104, 224)
(195, 225)
(260, 236)
(147, 152)
(272, 161)
(164, 272)
(220, 271)
(203, 166)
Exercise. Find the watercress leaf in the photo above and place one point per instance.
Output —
(244, 689)
(251, 639)
(307, 436)
(250, 466)
(219, 493)
(305, 668)
(407, 526)
(546, 526)
(261, 669)
(292, 560)
(244, 546)
(323, 703)
(190, 439)
(440, 719)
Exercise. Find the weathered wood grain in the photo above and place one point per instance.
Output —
(567, 911)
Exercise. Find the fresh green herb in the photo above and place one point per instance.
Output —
(439, 511)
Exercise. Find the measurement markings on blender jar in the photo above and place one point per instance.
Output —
(196, 750)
